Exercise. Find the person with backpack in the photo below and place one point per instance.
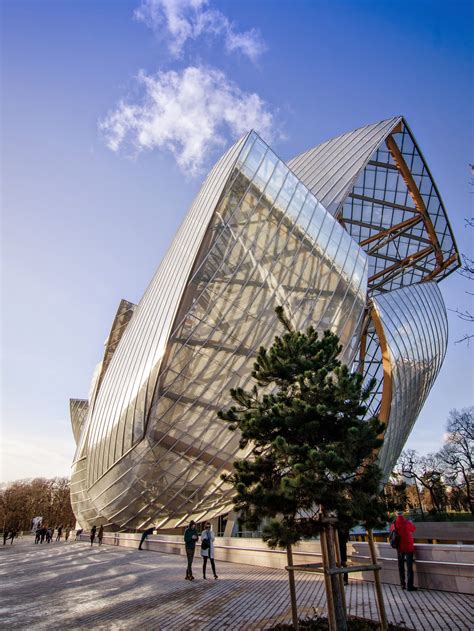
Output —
(401, 538)
(207, 549)
(190, 538)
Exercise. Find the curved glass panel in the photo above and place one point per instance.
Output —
(268, 242)
(415, 328)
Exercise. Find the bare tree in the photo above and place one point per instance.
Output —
(467, 271)
(22, 500)
(427, 473)
(407, 467)
(458, 451)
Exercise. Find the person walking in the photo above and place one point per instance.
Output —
(100, 535)
(190, 538)
(405, 550)
(207, 549)
(93, 531)
(60, 531)
(145, 534)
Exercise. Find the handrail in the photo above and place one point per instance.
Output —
(312, 553)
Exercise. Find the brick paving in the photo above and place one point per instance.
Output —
(73, 586)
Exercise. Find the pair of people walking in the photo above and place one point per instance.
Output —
(100, 534)
(191, 537)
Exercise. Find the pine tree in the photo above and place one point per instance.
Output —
(312, 452)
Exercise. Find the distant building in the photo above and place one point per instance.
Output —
(350, 236)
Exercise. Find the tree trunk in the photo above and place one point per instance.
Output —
(339, 564)
(291, 581)
(468, 489)
(378, 583)
(339, 609)
(434, 501)
(327, 580)
(419, 501)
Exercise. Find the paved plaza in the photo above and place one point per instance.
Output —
(73, 586)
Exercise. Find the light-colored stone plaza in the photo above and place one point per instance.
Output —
(73, 586)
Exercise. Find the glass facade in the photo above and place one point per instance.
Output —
(377, 183)
(414, 329)
(151, 449)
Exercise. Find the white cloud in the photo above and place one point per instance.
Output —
(181, 20)
(187, 113)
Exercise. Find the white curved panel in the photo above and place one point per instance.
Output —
(415, 328)
(330, 169)
(78, 409)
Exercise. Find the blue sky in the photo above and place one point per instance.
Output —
(112, 112)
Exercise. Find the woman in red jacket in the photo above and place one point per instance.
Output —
(405, 550)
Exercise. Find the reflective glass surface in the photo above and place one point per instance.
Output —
(395, 212)
(157, 452)
(150, 448)
(416, 331)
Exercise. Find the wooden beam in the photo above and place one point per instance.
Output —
(452, 259)
(386, 402)
(403, 263)
(415, 195)
(397, 227)
(398, 128)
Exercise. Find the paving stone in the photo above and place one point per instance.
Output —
(69, 585)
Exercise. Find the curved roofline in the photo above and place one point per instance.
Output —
(397, 119)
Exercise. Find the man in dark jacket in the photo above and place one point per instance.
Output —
(145, 533)
(190, 538)
(405, 550)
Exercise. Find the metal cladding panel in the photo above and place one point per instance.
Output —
(82, 506)
(415, 328)
(119, 415)
(80, 500)
(268, 242)
(330, 169)
(78, 409)
(122, 318)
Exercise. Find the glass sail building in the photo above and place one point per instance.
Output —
(350, 236)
